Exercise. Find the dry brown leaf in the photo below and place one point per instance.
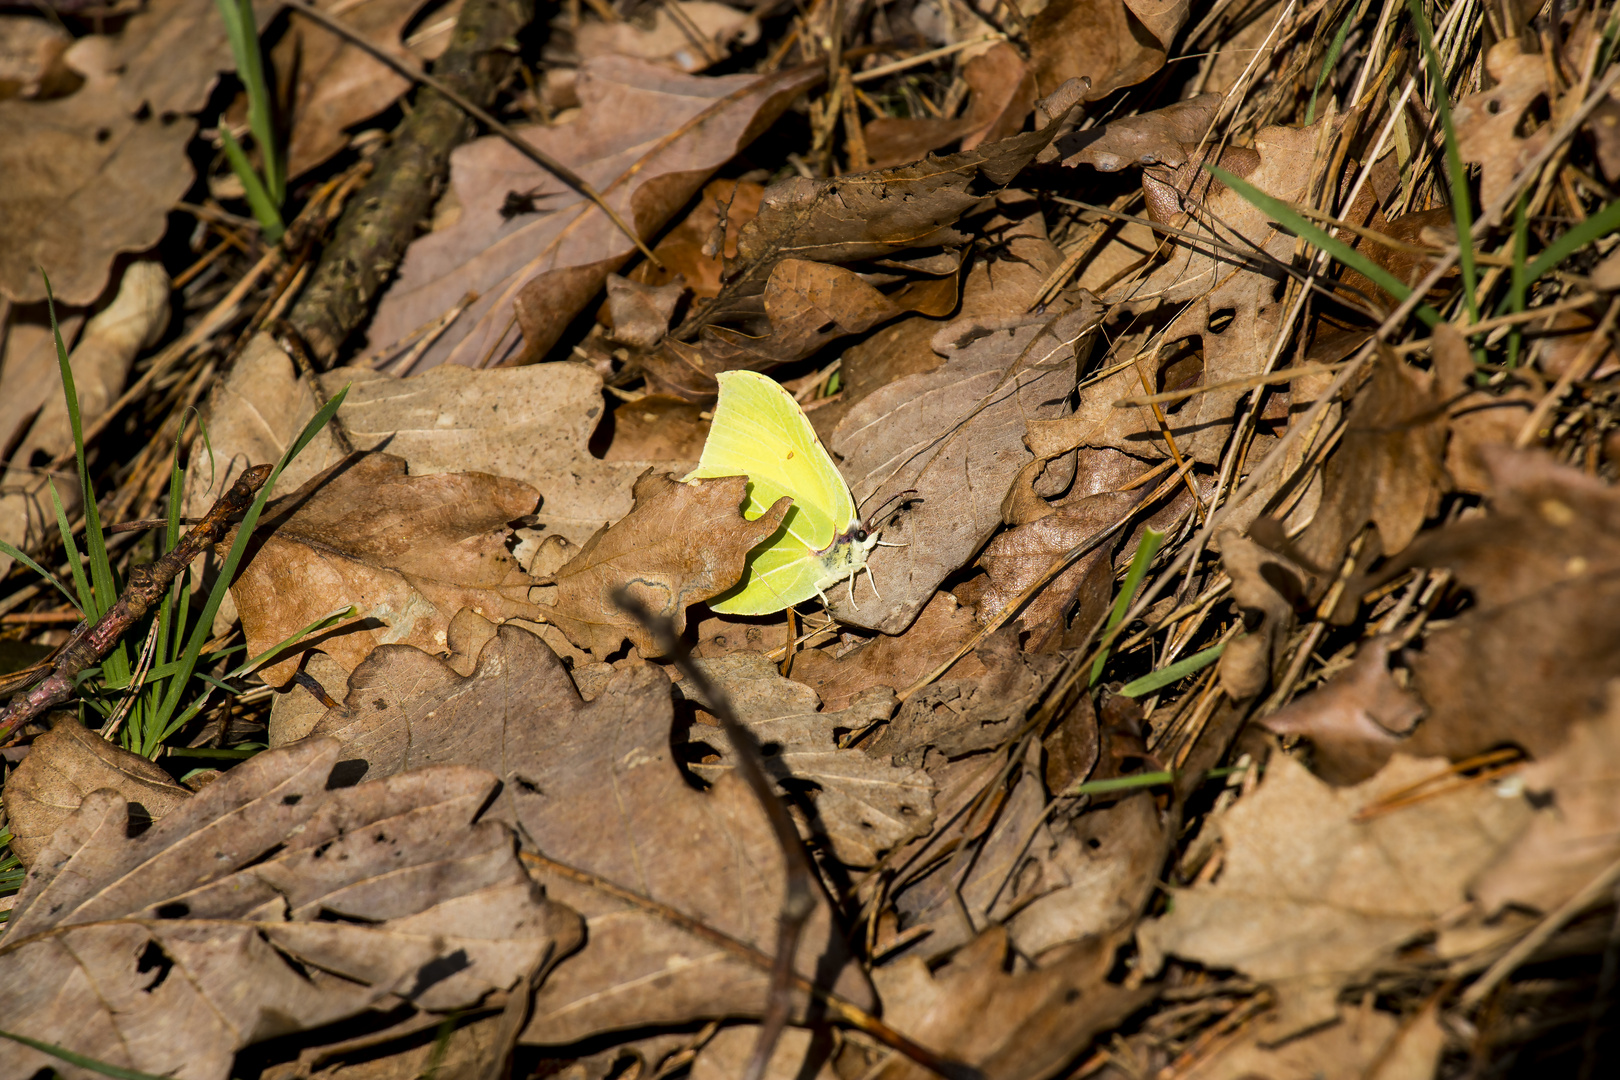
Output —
(658, 428)
(1308, 899)
(648, 138)
(1003, 92)
(858, 805)
(1015, 559)
(594, 786)
(1165, 137)
(408, 551)
(531, 424)
(338, 83)
(276, 900)
(87, 179)
(1489, 124)
(66, 764)
(894, 661)
(172, 51)
(1114, 43)
(1364, 1044)
(682, 544)
(31, 58)
(1389, 468)
(954, 436)
(725, 1056)
(1024, 1026)
(1265, 588)
(1217, 282)
(1356, 720)
(884, 217)
(1574, 832)
(693, 250)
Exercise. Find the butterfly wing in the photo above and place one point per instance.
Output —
(760, 432)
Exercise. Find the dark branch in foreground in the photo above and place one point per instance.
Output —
(147, 584)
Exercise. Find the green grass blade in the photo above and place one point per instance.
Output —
(259, 200)
(87, 598)
(1600, 224)
(1166, 675)
(242, 29)
(1331, 60)
(1145, 550)
(323, 623)
(1336, 248)
(118, 1072)
(227, 572)
(42, 572)
(1461, 208)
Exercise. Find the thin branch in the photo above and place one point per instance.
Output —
(147, 584)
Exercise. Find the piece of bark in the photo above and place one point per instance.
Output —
(378, 225)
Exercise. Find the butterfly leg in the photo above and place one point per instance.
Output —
(849, 584)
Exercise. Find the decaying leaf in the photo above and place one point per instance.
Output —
(1364, 1044)
(171, 53)
(859, 805)
(1309, 899)
(408, 551)
(1490, 124)
(954, 437)
(66, 764)
(682, 544)
(338, 84)
(648, 138)
(593, 786)
(725, 1056)
(274, 901)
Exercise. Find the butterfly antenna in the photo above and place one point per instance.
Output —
(905, 496)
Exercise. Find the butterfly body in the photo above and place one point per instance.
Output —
(759, 431)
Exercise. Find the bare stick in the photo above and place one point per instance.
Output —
(521, 145)
(798, 894)
(147, 584)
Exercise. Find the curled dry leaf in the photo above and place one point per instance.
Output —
(881, 217)
(1355, 721)
(86, 179)
(1574, 832)
(408, 551)
(709, 854)
(647, 138)
(339, 84)
(1309, 899)
(1265, 587)
(1003, 92)
(1114, 43)
(682, 544)
(861, 806)
(954, 437)
(1164, 138)
(274, 901)
(66, 764)
(1024, 1026)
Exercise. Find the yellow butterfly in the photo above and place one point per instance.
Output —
(760, 432)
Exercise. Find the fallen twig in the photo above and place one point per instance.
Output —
(147, 584)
